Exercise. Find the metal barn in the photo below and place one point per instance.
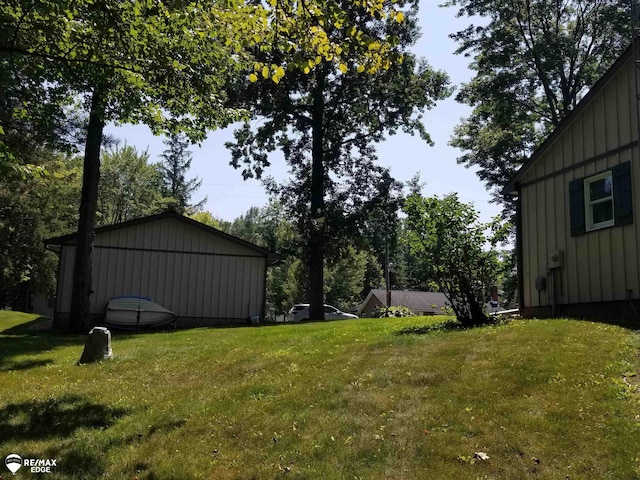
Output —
(205, 276)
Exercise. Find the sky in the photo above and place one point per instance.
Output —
(229, 196)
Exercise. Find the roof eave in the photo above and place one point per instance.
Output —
(512, 187)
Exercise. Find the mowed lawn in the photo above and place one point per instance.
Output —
(362, 399)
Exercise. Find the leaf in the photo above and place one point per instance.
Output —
(253, 78)
(399, 17)
(265, 72)
(343, 68)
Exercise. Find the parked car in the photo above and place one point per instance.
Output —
(300, 313)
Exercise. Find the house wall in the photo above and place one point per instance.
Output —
(601, 265)
(371, 306)
(202, 277)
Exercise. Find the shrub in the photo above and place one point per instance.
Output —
(397, 311)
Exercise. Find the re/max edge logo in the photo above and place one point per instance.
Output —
(13, 461)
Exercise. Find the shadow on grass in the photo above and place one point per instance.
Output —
(55, 417)
(74, 423)
(449, 326)
(27, 364)
(31, 338)
(446, 326)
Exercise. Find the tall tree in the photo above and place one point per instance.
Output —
(160, 63)
(327, 118)
(130, 187)
(533, 61)
(157, 62)
(176, 161)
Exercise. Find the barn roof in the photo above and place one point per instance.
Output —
(70, 239)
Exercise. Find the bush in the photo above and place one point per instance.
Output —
(455, 251)
(398, 311)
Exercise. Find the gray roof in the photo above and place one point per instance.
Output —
(414, 301)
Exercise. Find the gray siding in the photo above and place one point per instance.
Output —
(195, 273)
(602, 265)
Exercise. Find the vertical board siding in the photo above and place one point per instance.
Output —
(65, 284)
(189, 284)
(541, 230)
(193, 272)
(632, 237)
(599, 265)
(532, 246)
(561, 231)
(624, 96)
(611, 119)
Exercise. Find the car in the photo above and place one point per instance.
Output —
(300, 313)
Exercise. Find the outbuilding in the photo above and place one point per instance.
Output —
(205, 276)
(577, 197)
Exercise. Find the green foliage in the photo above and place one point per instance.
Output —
(326, 119)
(206, 217)
(130, 187)
(451, 247)
(533, 61)
(32, 209)
(508, 278)
(344, 278)
(165, 64)
(393, 311)
(176, 161)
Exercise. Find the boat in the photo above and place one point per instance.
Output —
(134, 312)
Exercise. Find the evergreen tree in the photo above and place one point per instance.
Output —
(176, 161)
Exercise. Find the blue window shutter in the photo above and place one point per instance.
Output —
(576, 207)
(622, 197)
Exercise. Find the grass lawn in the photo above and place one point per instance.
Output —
(362, 399)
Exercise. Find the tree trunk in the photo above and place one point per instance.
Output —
(80, 296)
(317, 231)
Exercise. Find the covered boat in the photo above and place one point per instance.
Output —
(133, 312)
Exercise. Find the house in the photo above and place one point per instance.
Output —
(205, 276)
(577, 196)
(420, 303)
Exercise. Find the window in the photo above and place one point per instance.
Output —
(598, 201)
(602, 200)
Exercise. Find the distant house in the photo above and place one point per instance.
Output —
(205, 276)
(577, 197)
(420, 303)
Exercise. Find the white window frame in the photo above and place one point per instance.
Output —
(589, 224)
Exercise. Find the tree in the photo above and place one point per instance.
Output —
(533, 61)
(176, 161)
(450, 244)
(162, 63)
(345, 277)
(32, 209)
(129, 187)
(326, 120)
(206, 217)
